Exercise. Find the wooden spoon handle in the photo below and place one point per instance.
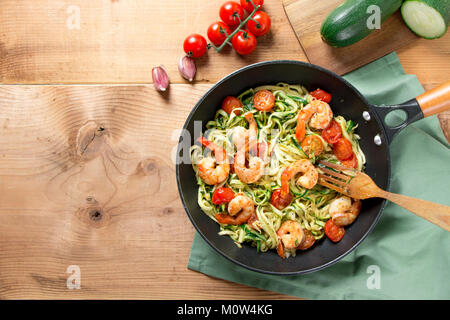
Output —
(433, 212)
(436, 100)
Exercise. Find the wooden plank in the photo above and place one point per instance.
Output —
(120, 41)
(102, 199)
(306, 17)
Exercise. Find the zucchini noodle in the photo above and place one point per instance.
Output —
(308, 207)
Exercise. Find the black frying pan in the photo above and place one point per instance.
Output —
(348, 102)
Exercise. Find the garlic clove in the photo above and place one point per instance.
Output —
(187, 68)
(160, 78)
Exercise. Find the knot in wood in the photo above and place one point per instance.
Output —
(91, 139)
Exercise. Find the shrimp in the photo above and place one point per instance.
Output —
(241, 136)
(343, 211)
(251, 173)
(308, 180)
(319, 115)
(309, 240)
(255, 169)
(213, 171)
(290, 236)
(240, 209)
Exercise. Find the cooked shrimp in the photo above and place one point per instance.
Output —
(213, 171)
(308, 180)
(255, 169)
(308, 242)
(257, 148)
(343, 211)
(248, 173)
(252, 126)
(240, 209)
(319, 115)
(243, 137)
(240, 137)
(253, 218)
(290, 236)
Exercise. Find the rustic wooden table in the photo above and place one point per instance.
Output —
(86, 176)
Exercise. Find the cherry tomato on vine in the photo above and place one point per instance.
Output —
(222, 195)
(217, 32)
(244, 42)
(195, 45)
(231, 13)
(247, 5)
(334, 232)
(230, 103)
(343, 149)
(259, 24)
(332, 133)
(320, 94)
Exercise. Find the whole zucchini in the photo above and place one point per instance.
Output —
(427, 18)
(347, 24)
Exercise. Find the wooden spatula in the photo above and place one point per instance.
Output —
(359, 185)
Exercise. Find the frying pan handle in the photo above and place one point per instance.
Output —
(427, 104)
(413, 113)
(436, 100)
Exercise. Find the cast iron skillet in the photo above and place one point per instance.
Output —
(346, 101)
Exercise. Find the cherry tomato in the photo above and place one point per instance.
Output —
(260, 24)
(195, 45)
(222, 195)
(231, 13)
(264, 100)
(332, 133)
(247, 5)
(312, 145)
(230, 103)
(280, 202)
(319, 94)
(342, 149)
(217, 32)
(351, 162)
(334, 232)
(244, 42)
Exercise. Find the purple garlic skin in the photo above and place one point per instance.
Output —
(160, 78)
(187, 68)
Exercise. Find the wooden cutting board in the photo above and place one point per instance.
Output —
(306, 17)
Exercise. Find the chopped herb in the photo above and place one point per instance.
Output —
(299, 99)
(350, 125)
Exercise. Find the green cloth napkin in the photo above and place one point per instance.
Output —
(405, 256)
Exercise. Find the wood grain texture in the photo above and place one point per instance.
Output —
(88, 180)
(54, 187)
(120, 41)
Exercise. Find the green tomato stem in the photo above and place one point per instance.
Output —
(241, 24)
